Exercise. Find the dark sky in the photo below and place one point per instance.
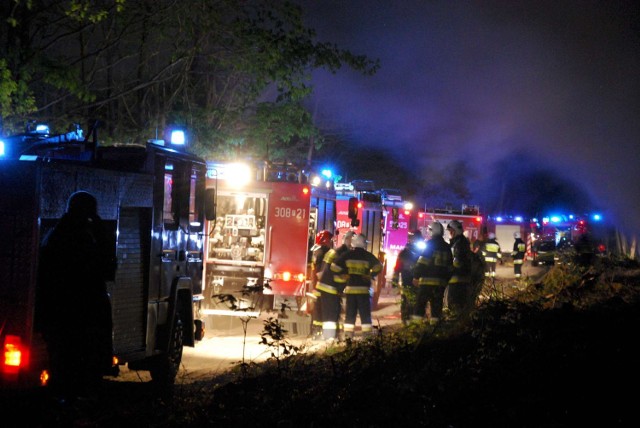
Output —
(537, 98)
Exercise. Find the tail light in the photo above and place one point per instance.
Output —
(14, 356)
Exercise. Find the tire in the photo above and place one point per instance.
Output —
(166, 366)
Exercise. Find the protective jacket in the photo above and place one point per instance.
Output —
(434, 266)
(356, 268)
(519, 249)
(461, 251)
(327, 281)
(491, 251)
(405, 264)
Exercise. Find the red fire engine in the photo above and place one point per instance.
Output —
(360, 209)
(151, 199)
(261, 234)
(468, 215)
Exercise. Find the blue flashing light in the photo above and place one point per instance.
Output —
(42, 129)
(421, 245)
(2, 152)
(518, 218)
(499, 219)
(596, 217)
(178, 137)
(327, 173)
(555, 219)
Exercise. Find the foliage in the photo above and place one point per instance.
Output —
(274, 336)
(517, 361)
(234, 73)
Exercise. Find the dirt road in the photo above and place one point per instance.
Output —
(227, 343)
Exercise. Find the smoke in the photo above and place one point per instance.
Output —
(533, 105)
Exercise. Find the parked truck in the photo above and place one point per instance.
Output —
(152, 200)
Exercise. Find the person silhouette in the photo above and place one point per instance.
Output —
(77, 258)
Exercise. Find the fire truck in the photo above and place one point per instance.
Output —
(468, 215)
(260, 236)
(554, 233)
(504, 227)
(152, 200)
(360, 209)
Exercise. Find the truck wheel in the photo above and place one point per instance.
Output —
(165, 368)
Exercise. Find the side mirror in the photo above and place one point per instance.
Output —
(353, 208)
(210, 204)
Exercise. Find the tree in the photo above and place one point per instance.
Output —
(233, 72)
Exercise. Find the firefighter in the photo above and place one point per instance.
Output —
(331, 291)
(322, 245)
(403, 273)
(458, 290)
(356, 268)
(431, 275)
(77, 258)
(491, 253)
(477, 244)
(519, 249)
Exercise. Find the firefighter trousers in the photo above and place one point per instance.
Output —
(358, 304)
(331, 308)
(429, 294)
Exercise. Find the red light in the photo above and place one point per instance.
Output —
(420, 215)
(359, 204)
(479, 219)
(406, 212)
(12, 354)
(305, 190)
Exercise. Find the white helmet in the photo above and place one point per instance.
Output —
(359, 241)
(456, 226)
(492, 235)
(516, 235)
(436, 229)
(348, 236)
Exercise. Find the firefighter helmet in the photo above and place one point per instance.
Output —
(359, 241)
(348, 236)
(436, 229)
(516, 235)
(492, 235)
(323, 238)
(456, 226)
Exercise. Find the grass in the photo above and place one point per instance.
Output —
(558, 352)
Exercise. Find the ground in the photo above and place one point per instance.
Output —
(558, 353)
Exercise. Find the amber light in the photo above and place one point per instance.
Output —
(305, 190)
(44, 378)
(286, 276)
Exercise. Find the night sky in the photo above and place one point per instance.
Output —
(536, 102)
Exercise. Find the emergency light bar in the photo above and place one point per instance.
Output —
(178, 137)
(1, 148)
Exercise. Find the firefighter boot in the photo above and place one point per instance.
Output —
(316, 332)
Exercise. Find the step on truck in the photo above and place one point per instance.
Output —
(152, 200)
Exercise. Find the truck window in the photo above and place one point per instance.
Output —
(194, 215)
(168, 215)
(239, 231)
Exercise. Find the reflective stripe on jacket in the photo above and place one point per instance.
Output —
(356, 268)
(435, 264)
